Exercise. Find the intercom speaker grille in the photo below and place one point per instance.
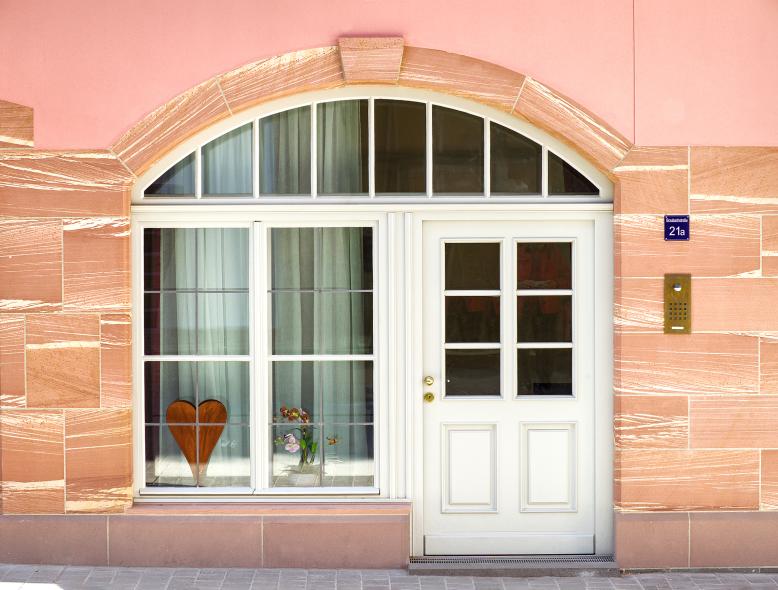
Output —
(678, 292)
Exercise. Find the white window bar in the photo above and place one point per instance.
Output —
(371, 147)
(428, 138)
(314, 153)
(544, 171)
(255, 158)
(487, 158)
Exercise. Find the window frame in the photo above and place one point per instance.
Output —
(372, 93)
(260, 448)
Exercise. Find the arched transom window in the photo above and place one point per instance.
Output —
(347, 146)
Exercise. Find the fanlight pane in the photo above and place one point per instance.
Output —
(285, 153)
(515, 163)
(342, 144)
(400, 147)
(563, 179)
(178, 181)
(457, 152)
(227, 163)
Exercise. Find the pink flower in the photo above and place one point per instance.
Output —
(291, 443)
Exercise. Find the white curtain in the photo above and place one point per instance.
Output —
(226, 163)
(285, 153)
(341, 153)
(205, 311)
(318, 308)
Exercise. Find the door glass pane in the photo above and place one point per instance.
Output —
(342, 147)
(457, 152)
(544, 265)
(226, 163)
(515, 163)
(400, 147)
(473, 372)
(285, 153)
(178, 181)
(545, 371)
(472, 319)
(472, 265)
(563, 179)
(544, 318)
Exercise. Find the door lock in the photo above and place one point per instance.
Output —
(428, 380)
(429, 397)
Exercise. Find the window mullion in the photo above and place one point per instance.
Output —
(371, 146)
(314, 152)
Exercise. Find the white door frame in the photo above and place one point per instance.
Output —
(602, 221)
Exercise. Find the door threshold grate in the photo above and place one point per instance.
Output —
(511, 559)
(514, 565)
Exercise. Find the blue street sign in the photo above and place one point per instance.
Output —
(676, 227)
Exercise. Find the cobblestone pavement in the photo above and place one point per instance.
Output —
(30, 577)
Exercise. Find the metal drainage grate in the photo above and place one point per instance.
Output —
(541, 560)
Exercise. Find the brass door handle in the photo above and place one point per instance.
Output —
(428, 380)
(429, 397)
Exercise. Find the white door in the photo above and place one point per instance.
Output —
(508, 342)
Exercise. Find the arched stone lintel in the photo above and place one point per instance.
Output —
(16, 125)
(373, 60)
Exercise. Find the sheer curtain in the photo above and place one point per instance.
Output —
(341, 140)
(285, 153)
(205, 312)
(227, 163)
(322, 304)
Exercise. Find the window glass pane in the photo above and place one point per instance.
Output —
(515, 163)
(400, 146)
(342, 147)
(223, 322)
(544, 265)
(166, 465)
(563, 179)
(348, 456)
(473, 372)
(322, 258)
(322, 323)
(178, 181)
(347, 391)
(472, 265)
(226, 163)
(166, 382)
(296, 460)
(329, 391)
(545, 371)
(457, 152)
(225, 381)
(204, 306)
(545, 318)
(228, 464)
(321, 285)
(472, 319)
(285, 153)
(222, 258)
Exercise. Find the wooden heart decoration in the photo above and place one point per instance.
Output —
(181, 417)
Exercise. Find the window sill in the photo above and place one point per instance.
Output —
(252, 495)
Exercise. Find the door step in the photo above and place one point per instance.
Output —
(515, 565)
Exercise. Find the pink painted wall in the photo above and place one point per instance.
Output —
(662, 72)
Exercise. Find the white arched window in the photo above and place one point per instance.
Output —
(275, 282)
(355, 145)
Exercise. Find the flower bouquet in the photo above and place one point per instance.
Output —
(301, 439)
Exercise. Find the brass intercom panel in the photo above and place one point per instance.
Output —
(678, 304)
